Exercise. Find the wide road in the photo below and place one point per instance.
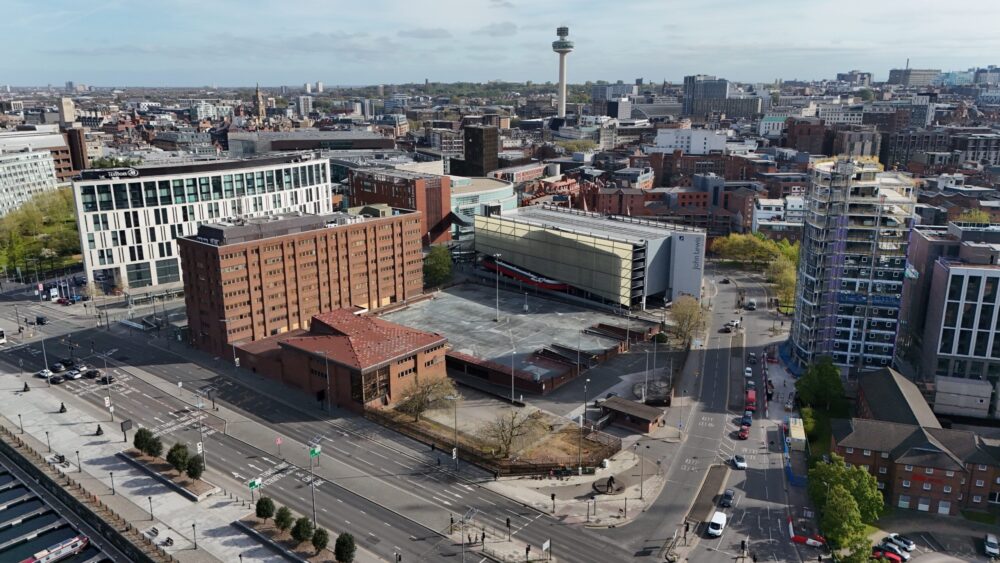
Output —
(383, 488)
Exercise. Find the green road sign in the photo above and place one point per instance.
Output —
(254, 483)
(314, 451)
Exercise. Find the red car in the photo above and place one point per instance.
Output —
(744, 432)
(882, 555)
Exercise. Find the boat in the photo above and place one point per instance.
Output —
(60, 551)
(525, 276)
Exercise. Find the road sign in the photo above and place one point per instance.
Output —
(254, 483)
(107, 402)
(111, 409)
(454, 453)
(237, 362)
(314, 451)
(40, 287)
(126, 425)
(277, 441)
(180, 384)
(199, 447)
(546, 545)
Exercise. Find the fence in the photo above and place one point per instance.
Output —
(607, 446)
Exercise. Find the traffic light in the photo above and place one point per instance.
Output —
(508, 523)
(527, 550)
(743, 545)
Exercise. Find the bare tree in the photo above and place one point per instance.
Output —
(425, 394)
(507, 427)
(687, 316)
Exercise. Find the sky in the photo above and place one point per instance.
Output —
(363, 42)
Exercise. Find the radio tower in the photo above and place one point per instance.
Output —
(564, 47)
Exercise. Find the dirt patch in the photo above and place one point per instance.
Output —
(196, 486)
(304, 550)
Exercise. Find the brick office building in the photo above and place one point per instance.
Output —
(427, 193)
(349, 360)
(917, 463)
(267, 276)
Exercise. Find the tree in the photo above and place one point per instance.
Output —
(302, 530)
(866, 94)
(687, 317)
(265, 508)
(437, 266)
(505, 428)
(320, 539)
(195, 467)
(841, 519)
(859, 484)
(283, 519)
(178, 456)
(821, 384)
(142, 438)
(581, 145)
(974, 216)
(425, 394)
(344, 548)
(155, 447)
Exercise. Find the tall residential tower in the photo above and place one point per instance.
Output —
(852, 264)
(564, 47)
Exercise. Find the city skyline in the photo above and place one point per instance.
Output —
(224, 43)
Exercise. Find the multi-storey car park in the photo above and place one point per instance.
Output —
(852, 264)
(129, 218)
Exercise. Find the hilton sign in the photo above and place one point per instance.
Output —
(110, 173)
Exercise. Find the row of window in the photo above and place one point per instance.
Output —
(132, 195)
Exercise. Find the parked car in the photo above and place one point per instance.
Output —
(56, 379)
(881, 554)
(68, 363)
(717, 524)
(92, 373)
(106, 379)
(727, 498)
(752, 358)
(73, 374)
(751, 384)
(57, 367)
(727, 329)
(747, 420)
(739, 462)
(991, 546)
(724, 280)
(41, 320)
(902, 541)
(44, 374)
(893, 548)
(744, 433)
(748, 372)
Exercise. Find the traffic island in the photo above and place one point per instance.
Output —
(282, 542)
(158, 468)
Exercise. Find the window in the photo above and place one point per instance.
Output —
(907, 468)
(885, 455)
(906, 484)
(982, 467)
(867, 453)
(850, 450)
(929, 471)
(977, 498)
(927, 486)
(883, 470)
(947, 488)
(881, 485)
(949, 473)
(904, 501)
(980, 482)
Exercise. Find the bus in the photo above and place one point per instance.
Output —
(751, 400)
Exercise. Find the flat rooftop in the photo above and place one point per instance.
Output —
(615, 227)
(196, 167)
(258, 228)
(305, 134)
(465, 315)
(464, 186)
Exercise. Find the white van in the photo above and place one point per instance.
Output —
(717, 524)
(992, 548)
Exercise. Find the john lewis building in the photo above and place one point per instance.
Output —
(129, 218)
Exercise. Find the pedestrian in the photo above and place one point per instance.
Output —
(433, 447)
(484, 537)
(439, 461)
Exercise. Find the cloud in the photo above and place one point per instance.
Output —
(501, 4)
(499, 29)
(426, 33)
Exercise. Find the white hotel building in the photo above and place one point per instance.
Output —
(129, 217)
(23, 175)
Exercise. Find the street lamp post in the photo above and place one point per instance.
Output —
(455, 399)
(150, 507)
(312, 487)
(20, 423)
(583, 417)
(49, 443)
(108, 379)
(194, 534)
(496, 264)
(79, 466)
(642, 476)
(112, 475)
(45, 358)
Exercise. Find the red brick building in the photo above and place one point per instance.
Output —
(618, 201)
(268, 276)
(427, 193)
(918, 464)
(349, 360)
